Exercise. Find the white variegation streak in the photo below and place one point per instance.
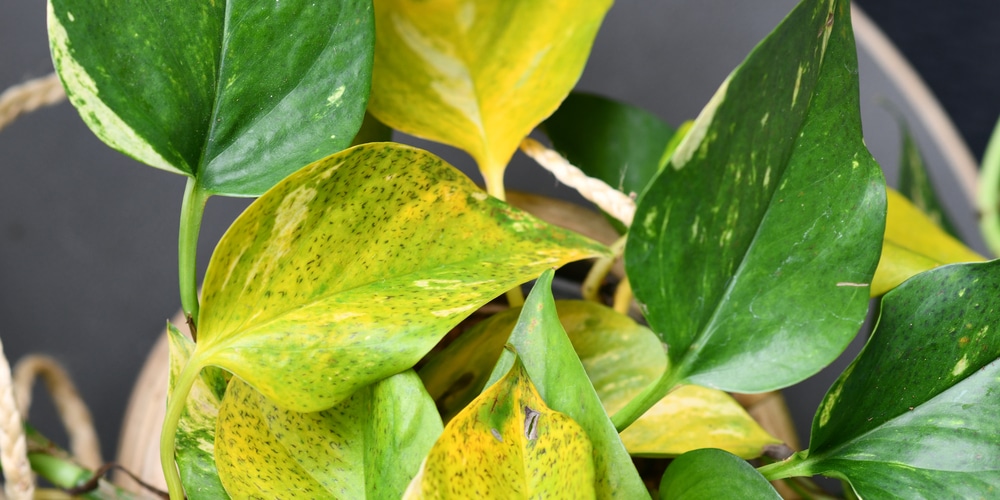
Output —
(83, 92)
(692, 141)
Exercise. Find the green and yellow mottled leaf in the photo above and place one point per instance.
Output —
(621, 358)
(757, 242)
(560, 378)
(508, 444)
(351, 269)
(712, 474)
(195, 450)
(369, 446)
(913, 243)
(479, 75)
(218, 91)
(915, 414)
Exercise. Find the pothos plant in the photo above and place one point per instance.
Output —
(752, 254)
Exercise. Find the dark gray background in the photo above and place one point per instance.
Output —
(88, 237)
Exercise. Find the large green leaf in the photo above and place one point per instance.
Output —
(753, 249)
(351, 269)
(712, 474)
(508, 444)
(237, 94)
(915, 415)
(612, 141)
(559, 376)
(621, 358)
(369, 446)
(479, 75)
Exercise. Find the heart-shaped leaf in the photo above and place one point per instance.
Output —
(618, 143)
(913, 243)
(479, 75)
(752, 251)
(195, 450)
(369, 446)
(353, 268)
(508, 444)
(915, 415)
(235, 94)
(549, 359)
(712, 474)
(621, 358)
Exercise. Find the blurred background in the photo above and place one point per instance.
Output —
(88, 236)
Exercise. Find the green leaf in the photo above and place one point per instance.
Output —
(369, 446)
(479, 75)
(560, 378)
(609, 140)
(914, 416)
(621, 358)
(236, 94)
(753, 249)
(916, 185)
(195, 450)
(913, 244)
(351, 269)
(508, 444)
(712, 474)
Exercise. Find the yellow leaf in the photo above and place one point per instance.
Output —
(478, 75)
(913, 244)
(508, 444)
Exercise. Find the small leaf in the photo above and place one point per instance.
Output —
(235, 94)
(353, 268)
(478, 75)
(621, 358)
(508, 444)
(913, 244)
(914, 416)
(549, 359)
(714, 474)
(369, 446)
(916, 185)
(757, 242)
(612, 141)
(195, 450)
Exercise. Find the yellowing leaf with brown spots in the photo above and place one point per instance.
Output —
(369, 446)
(351, 269)
(478, 75)
(913, 244)
(508, 444)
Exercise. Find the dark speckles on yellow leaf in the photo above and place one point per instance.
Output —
(510, 444)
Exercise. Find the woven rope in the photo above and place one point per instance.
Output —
(29, 96)
(73, 412)
(614, 202)
(19, 482)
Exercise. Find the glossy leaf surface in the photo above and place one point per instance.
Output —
(758, 240)
(915, 415)
(560, 378)
(195, 449)
(621, 358)
(237, 94)
(913, 243)
(609, 140)
(479, 75)
(508, 444)
(712, 474)
(369, 446)
(353, 268)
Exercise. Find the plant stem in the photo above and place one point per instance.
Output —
(989, 194)
(795, 466)
(645, 400)
(192, 209)
(168, 435)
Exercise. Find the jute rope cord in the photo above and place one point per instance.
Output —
(617, 204)
(19, 482)
(83, 442)
(29, 96)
